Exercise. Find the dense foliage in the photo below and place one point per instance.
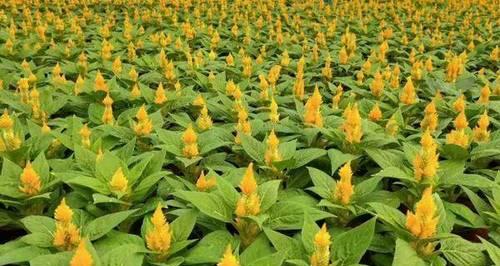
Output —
(249, 132)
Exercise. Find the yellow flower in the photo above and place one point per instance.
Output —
(274, 116)
(461, 121)
(107, 116)
(230, 60)
(199, 101)
(426, 161)
(343, 57)
(135, 92)
(117, 66)
(430, 120)
(82, 256)
(228, 259)
(100, 83)
(159, 238)
(248, 184)
(272, 151)
(423, 223)
(144, 125)
(344, 188)
(375, 113)
(321, 255)
(63, 213)
(119, 182)
(459, 104)
(66, 236)
(30, 181)
(203, 183)
(189, 138)
(484, 97)
(458, 137)
(408, 96)
(338, 96)
(352, 124)
(85, 135)
(481, 132)
(392, 126)
(204, 120)
(133, 75)
(312, 115)
(5, 121)
(160, 97)
(377, 85)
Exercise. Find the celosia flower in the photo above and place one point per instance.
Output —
(274, 116)
(408, 95)
(63, 213)
(85, 135)
(377, 85)
(6, 121)
(82, 256)
(484, 97)
(423, 223)
(272, 150)
(430, 120)
(459, 104)
(426, 161)
(189, 138)
(30, 181)
(321, 255)
(312, 115)
(100, 83)
(228, 259)
(160, 96)
(344, 188)
(352, 124)
(203, 183)
(107, 116)
(159, 238)
(375, 113)
(204, 120)
(67, 235)
(481, 132)
(119, 182)
(392, 126)
(144, 125)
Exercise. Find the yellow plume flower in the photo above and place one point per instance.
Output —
(272, 151)
(119, 182)
(274, 116)
(204, 120)
(377, 85)
(352, 124)
(312, 115)
(117, 66)
(461, 121)
(392, 126)
(107, 116)
(100, 83)
(82, 256)
(85, 135)
(248, 183)
(481, 132)
(228, 259)
(6, 121)
(30, 181)
(426, 161)
(66, 236)
(189, 138)
(203, 183)
(144, 125)
(321, 255)
(423, 223)
(159, 238)
(343, 57)
(63, 212)
(160, 96)
(375, 113)
(430, 120)
(338, 96)
(484, 97)
(344, 188)
(459, 104)
(408, 95)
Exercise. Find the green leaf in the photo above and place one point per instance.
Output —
(290, 247)
(386, 158)
(210, 204)
(254, 148)
(304, 156)
(183, 225)
(309, 230)
(323, 183)
(39, 224)
(275, 259)
(289, 215)
(338, 158)
(21, 255)
(124, 255)
(461, 252)
(102, 225)
(493, 251)
(61, 258)
(260, 247)
(268, 193)
(350, 246)
(210, 248)
(406, 255)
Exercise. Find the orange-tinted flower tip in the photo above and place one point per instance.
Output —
(63, 212)
(248, 184)
(203, 183)
(30, 181)
(322, 238)
(228, 258)
(82, 256)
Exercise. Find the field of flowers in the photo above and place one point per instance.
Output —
(249, 132)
